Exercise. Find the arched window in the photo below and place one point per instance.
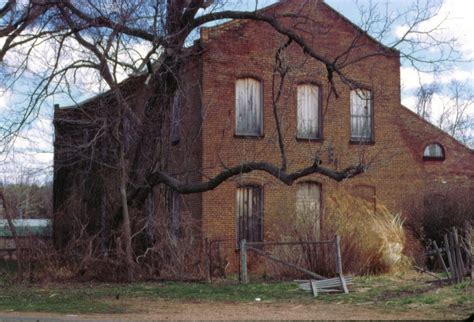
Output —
(249, 213)
(308, 112)
(248, 107)
(433, 151)
(308, 207)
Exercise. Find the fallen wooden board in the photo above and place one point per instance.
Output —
(328, 285)
(347, 278)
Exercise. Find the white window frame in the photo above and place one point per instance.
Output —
(361, 115)
(308, 111)
(248, 107)
(308, 196)
(434, 151)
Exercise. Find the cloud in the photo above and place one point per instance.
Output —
(411, 78)
(460, 24)
(452, 22)
(5, 97)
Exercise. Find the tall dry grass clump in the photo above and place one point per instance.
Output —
(372, 240)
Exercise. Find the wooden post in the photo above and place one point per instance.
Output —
(338, 255)
(243, 262)
(459, 260)
(454, 258)
(448, 254)
(339, 264)
(314, 288)
(470, 247)
(440, 256)
(207, 257)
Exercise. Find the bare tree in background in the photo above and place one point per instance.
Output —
(424, 100)
(450, 107)
(97, 43)
(457, 115)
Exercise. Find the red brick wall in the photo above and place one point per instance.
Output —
(248, 49)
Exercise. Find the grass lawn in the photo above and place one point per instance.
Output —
(382, 292)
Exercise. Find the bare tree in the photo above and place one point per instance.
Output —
(424, 101)
(457, 115)
(103, 42)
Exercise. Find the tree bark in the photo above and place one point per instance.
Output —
(11, 226)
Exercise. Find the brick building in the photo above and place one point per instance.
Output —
(226, 119)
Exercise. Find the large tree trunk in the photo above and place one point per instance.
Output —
(127, 232)
(11, 226)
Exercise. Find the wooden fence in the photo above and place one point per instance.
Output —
(254, 247)
(458, 251)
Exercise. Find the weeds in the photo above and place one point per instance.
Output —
(384, 292)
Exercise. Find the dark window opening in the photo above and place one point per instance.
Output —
(249, 214)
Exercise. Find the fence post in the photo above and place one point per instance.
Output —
(339, 264)
(470, 247)
(450, 260)
(207, 259)
(460, 262)
(243, 262)
(440, 256)
(338, 255)
(454, 257)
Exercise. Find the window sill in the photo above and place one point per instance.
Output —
(309, 139)
(436, 159)
(361, 142)
(249, 136)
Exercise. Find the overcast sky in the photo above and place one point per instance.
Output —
(33, 152)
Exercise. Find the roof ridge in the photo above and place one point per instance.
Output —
(437, 128)
(231, 22)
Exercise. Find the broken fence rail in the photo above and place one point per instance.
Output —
(252, 246)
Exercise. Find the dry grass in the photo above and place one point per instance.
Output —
(373, 240)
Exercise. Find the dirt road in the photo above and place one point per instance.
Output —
(175, 310)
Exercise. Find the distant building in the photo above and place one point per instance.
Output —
(28, 232)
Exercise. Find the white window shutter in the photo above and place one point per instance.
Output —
(308, 208)
(248, 107)
(308, 111)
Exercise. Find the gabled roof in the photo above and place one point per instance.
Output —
(437, 129)
(232, 23)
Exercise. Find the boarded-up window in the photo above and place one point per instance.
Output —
(433, 151)
(249, 214)
(308, 208)
(361, 115)
(308, 111)
(248, 107)
(175, 126)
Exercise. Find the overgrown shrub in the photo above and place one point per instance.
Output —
(372, 241)
(439, 212)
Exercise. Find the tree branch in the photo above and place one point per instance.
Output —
(161, 177)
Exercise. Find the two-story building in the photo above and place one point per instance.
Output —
(225, 116)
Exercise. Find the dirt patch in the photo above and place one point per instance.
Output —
(178, 310)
